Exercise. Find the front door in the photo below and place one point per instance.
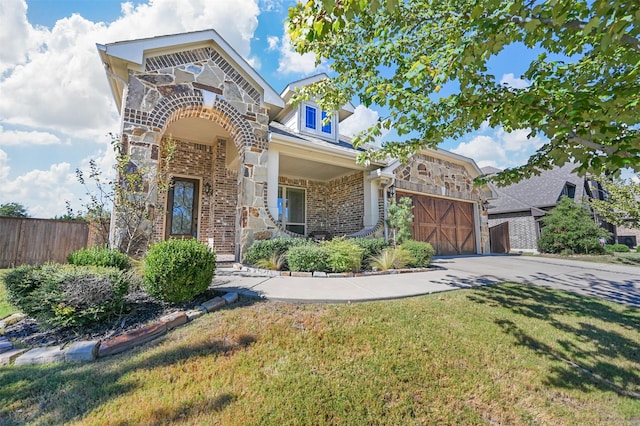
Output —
(182, 209)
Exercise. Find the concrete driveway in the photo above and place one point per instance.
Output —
(617, 283)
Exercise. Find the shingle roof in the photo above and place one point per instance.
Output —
(281, 129)
(537, 192)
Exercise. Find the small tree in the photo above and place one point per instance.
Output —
(570, 227)
(622, 206)
(13, 210)
(399, 219)
(132, 195)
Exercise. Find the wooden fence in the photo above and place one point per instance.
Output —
(33, 241)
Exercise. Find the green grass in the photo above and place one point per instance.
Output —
(631, 258)
(5, 308)
(500, 354)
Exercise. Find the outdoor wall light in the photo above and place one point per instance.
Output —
(207, 188)
(391, 191)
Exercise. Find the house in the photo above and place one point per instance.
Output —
(516, 211)
(248, 165)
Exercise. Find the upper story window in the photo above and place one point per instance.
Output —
(313, 122)
(569, 190)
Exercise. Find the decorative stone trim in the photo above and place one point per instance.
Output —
(200, 56)
(90, 350)
(321, 274)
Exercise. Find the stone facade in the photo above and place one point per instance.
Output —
(429, 175)
(174, 87)
(523, 229)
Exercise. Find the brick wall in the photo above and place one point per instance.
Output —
(622, 231)
(224, 203)
(217, 211)
(523, 229)
(336, 206)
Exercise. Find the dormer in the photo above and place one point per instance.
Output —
(307, 117)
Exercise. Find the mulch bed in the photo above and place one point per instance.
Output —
(144, 309)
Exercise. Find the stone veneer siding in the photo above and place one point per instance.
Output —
(171, 88)
(429, 175)
(523, 229)
(336, 206)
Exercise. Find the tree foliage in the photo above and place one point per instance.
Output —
(132, 196)
(398, 55)
(622, 205)
(570, 228)
(400, 219)
(13, 210)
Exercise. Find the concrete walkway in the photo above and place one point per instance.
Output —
(617, 283)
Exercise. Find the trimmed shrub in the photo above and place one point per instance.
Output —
(421, 252)
(99, 256)
(178, 270)
(391, 258)
(370, 246)
(344, 255)
(267, 249)
(616, 248)
(638, 249)
(68, 295)
(308, 258)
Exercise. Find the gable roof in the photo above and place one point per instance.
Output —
(288, 92)
(536, 193)
(121, 56)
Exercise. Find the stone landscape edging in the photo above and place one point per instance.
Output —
(91, 350)
(321, 274)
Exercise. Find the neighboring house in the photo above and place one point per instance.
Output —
(249, 166)
(628, 236)
(523, 204)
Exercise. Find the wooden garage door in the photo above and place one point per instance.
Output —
(448, 225)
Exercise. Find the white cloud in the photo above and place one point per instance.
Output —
(42, 192)
(273, 43)
(485, 150)
(512, 81)
(17, 37)
(362, 119)
(499, 148)
(519, 140)
(24, 138)
(4, 165)
(271, 5)
(292, 62)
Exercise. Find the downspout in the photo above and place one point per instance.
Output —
(385, 209)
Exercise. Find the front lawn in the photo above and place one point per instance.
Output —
(630, 258)
(5, 308)
(506, 354)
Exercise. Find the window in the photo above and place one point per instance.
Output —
(292, 209)
(569, 190)
(310, 117)
(313, 121)
(326, 128)
(182, 208)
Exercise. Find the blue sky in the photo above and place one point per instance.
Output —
(56, 110)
